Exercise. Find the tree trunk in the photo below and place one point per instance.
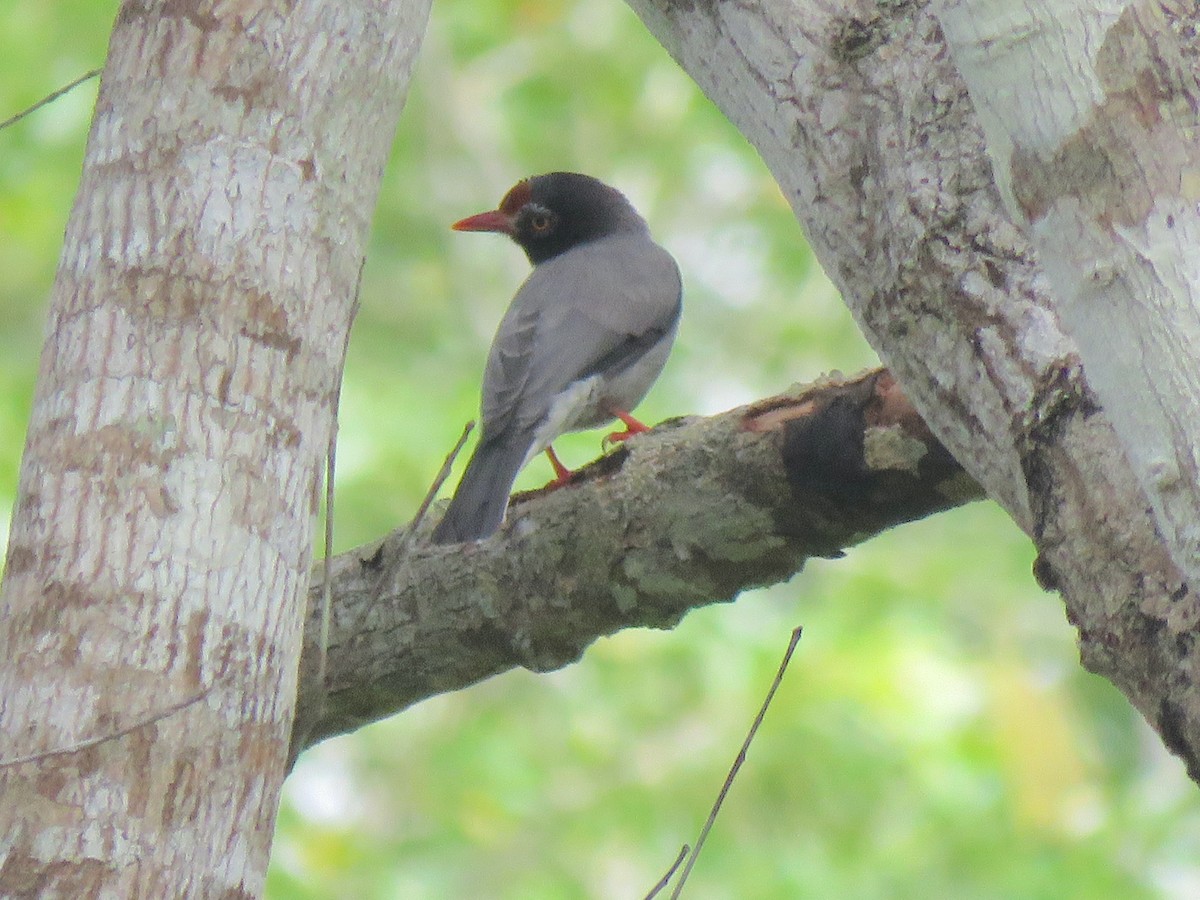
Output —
(868, 127)
(1090, 114)
(160, 551)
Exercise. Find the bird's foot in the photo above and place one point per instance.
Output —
(562, 475)
(632, 427)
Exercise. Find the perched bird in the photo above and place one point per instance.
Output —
(582, 342)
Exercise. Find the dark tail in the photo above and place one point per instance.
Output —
(482, 496)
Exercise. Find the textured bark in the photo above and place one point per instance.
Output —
(159, 560)
(858, 109)
(692, 513)
(1096, 156)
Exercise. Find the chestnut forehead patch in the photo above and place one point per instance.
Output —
(520, 194)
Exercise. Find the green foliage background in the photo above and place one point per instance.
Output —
(935, 736)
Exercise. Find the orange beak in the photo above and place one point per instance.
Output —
(486, 221)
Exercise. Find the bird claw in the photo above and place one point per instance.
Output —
(616, 437)
(632, 427)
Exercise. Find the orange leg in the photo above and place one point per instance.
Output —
(632, 427)
(562, 474)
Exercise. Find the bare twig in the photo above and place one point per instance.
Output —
(737, 763)
(438, 481)
(326, 580)
(50, 98)
(666, 879)
(330, 470)
(110, 736)
(430, 495)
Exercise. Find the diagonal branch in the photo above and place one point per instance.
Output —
(692, 513)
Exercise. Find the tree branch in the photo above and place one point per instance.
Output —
(692, 513)
(866, 124)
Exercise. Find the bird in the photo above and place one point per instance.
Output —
(585, 337)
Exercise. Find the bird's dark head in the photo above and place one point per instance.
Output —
(549, 214)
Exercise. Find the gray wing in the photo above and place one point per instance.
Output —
(594, 309)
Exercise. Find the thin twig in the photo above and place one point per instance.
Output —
(299, 732)
(442, 475)
(666, 879)
(330, 470)
(299, 737)
(737, 763)
(409, 534)
(110, 736)
(13, 120)
(327, 580)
